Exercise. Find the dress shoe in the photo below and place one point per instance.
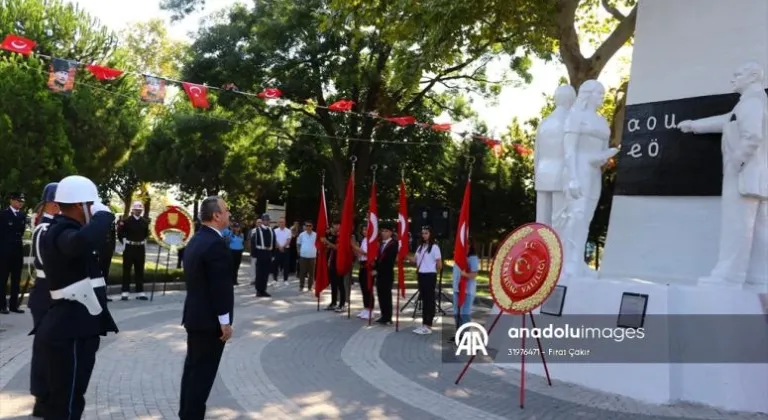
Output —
(17, 311)
(142, 298)
(4, 311)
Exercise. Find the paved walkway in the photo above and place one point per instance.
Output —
(287, 361)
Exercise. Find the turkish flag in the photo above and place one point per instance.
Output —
(344, 258)
(343, 105)
(402, 121)
(461, 246)
(103, 73)
(270, 93)
(372, 237)
(402, 238)
(17, 44)
(441, 127)
(198, 95)
(522, 150)
(321, 265)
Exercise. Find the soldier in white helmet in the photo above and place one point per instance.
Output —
(69, 333)
(133, 232)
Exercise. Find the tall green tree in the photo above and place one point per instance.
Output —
(46, 136)
(544, 28)
(306, 50)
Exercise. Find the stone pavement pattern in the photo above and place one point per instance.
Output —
(287, 361)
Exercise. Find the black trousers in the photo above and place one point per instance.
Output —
(427, 284)
(11, 263)
(367, 293)
(338, 289)
(263, 268)
(39, 302)
(133, 259)
(282, 262)
(204, 350)
(179, 258)
(237, 259)
(384, 282)
(68, 367)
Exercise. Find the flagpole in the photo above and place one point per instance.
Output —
(368, 271)
(462, 280)
(353, 159)
(322, 190)
(397, 305)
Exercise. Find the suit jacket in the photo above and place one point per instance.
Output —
(208, 274)
(12, 229)
(385, 263)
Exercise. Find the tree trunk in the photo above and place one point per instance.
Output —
(580, 68)
(127, 198)
(617, 124)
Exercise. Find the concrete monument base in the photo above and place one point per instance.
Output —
(730, 386)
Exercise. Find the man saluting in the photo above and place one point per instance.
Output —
(208, 307)
(69, 333)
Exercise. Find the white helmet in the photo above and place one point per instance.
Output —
(137, 206)
(76, 189)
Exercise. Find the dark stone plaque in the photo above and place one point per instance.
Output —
(657, 159)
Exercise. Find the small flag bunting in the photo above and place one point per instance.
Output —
(270, 93)
(103, 73)
(18, 44)
(198, 95)
(343, 105)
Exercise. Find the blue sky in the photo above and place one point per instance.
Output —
(522, 102)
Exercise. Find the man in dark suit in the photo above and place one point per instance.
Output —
(12, 225)
(384, 270)
(207, 308)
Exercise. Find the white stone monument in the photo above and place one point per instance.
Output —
(743, 248)
(586, 139)
(549, 157)
(682, 210)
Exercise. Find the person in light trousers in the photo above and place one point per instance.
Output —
(306, 244)
(463, 314)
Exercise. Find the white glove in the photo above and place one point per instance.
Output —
(99, 206)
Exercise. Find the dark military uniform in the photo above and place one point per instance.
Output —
(69, 333)
(39, 302)
(262, 244)
(338, 291)
(12, 226)
(105, 254)
(135, 231)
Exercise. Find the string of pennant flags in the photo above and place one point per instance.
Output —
(62, 75)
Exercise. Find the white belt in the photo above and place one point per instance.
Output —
(264, 248)
(135, 242)
(39, 274)
(98, 282)
(81, 292)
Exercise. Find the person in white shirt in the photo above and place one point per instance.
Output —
(306, 242)
(362, 274)
(428, 261)
(282, 257)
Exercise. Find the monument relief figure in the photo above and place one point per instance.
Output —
(586, 141)
(549, 157)
(744, 208)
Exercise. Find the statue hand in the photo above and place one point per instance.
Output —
(686, 126)
(574, 190)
